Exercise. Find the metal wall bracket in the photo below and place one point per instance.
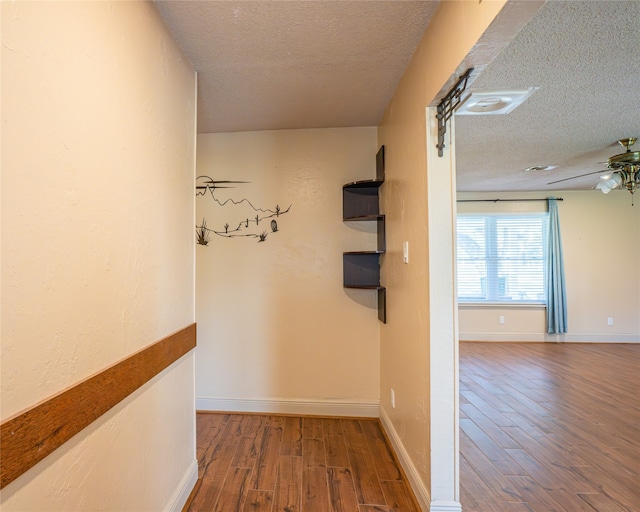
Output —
(447, 106)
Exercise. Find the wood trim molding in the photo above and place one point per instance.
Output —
(31, 435)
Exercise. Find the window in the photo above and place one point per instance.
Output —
(501, 258)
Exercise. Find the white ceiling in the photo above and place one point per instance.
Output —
(266, 65)
(584, 57)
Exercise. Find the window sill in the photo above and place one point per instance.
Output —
(503, 305)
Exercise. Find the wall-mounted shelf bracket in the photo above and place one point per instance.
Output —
(447, 106)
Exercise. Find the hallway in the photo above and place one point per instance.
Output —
(291, 463)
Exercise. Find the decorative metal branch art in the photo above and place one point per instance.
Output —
(245, 227)
(202, 233)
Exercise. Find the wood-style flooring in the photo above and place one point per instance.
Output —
(253, 463)
(549, 427)
(544, 427)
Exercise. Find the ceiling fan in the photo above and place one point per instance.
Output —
(623, 170)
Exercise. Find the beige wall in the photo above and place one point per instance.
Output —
(276, 329)
(98, 135)
(601, 239)
(405, 344)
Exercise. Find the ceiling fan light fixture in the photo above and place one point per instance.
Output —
(614, 181)
(483, 102)
(602, 186)
(623, 172)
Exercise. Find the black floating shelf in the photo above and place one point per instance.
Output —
(364, 184)
(361, 268)
(363, 217)
(382, 304)
(361, 202)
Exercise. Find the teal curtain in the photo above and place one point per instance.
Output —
(556, 291)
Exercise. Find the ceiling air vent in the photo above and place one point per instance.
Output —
(493, 102)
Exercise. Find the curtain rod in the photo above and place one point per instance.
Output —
(505, 200)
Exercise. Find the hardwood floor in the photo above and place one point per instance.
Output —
(295, 464)
(549, 427)
(543, 428)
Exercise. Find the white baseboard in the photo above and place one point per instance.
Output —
(181, 494)
(360, 409)
(445, 506)
(418, 486)
(542, 337)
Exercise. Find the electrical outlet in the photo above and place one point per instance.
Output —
(393, 399)
(501, 319)
(610, 320)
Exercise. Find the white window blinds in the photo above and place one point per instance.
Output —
(501, 257)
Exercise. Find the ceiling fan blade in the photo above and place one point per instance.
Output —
(578, 176)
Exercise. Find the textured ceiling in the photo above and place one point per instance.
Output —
(584, 57)
(312, 63)
(295, 64)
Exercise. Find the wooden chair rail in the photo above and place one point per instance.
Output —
(28, 437)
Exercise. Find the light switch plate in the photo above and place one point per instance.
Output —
(405, 252)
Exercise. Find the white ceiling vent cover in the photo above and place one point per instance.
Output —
(493, 102)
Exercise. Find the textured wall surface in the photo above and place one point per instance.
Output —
(405, 339)
(98, 115)
(273, 318)
(599, 234)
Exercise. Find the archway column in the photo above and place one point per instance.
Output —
(443, 314)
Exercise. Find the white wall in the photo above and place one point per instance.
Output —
(601, 244)
(98, 137)
(276, 329)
